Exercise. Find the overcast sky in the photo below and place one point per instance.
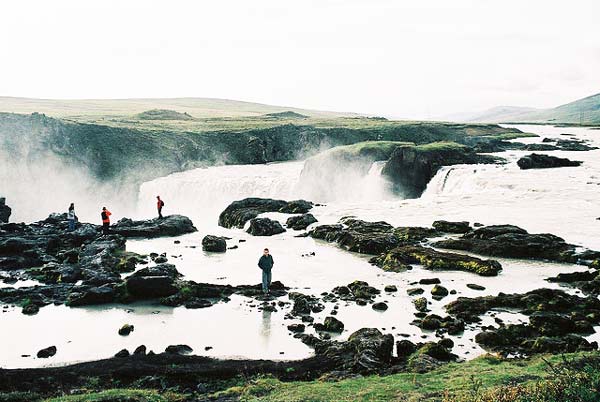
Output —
(414, 59)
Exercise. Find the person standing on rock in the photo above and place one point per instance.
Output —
(266, 264)
(105, 220)
(159, 205)
(71, 217)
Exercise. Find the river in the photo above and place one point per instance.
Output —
(564, 201)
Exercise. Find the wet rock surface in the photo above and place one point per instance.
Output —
(215, 244)
(513, 242)
(434, 260)
(264, 227)
(171, 225)
(369, 237)
(300, 222)
(239, 212)
(540, 161)
(556, 321)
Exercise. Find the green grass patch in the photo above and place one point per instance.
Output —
(122, 395)
(440, 146)
(453, 382)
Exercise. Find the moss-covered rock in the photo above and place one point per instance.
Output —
(435, 260)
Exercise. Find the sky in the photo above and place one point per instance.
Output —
(406, 59)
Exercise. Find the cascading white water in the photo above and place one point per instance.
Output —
(203, 193)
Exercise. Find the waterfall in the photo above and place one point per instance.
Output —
(203, 193)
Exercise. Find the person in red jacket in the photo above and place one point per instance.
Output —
(159, 205)
(105, 220)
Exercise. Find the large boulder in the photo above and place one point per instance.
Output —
(240, 212)
(153, 282)
(435, 260)
(172, 225)
(5, 210)
(539, 161)
(214, 244)
(264, 227)
(92, 296)
(300, 222)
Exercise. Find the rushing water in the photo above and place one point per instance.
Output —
(561, 201)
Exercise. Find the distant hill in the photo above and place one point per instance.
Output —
(288, 114)
(584, 111)
(163, 114)
(85, 109)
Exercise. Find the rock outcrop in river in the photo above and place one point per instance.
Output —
(411, 168)
(556, 321)
(540, 161)
(240, 212)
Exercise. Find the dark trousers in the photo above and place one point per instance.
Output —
(160, 213)
(105, 227)
(266, 280)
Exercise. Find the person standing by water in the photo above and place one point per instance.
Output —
(105, 214)
(266, 264)
(71, 217)
(159, 205)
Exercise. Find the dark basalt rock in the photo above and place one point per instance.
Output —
(475, 286)
(300, 222)
(215, 244)
(126, 329)
(451, 227)
(331, 324)
(46, 352)
(240, 212)
(366, 351)
(411, 168)
(539, 161)
(153, 282)
(122, 353)
(369, 237)
(525, 339)
(544, 300)
(179, 349)
(574, 145)
(439, 291)
(5, 210)
(420, 304)
(296, 328)
(541, 147)
(304, 304)
(172, 225)
(92, 295)
(264, 227)
(512, 242)
(380, 306)
(140, 350)
(435, 260)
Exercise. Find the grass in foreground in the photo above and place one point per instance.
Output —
(569, 378)
(477, 381)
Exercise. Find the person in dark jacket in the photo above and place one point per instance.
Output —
(266, 264)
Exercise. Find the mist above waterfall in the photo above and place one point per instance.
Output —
(35, 187)
(203, 193)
